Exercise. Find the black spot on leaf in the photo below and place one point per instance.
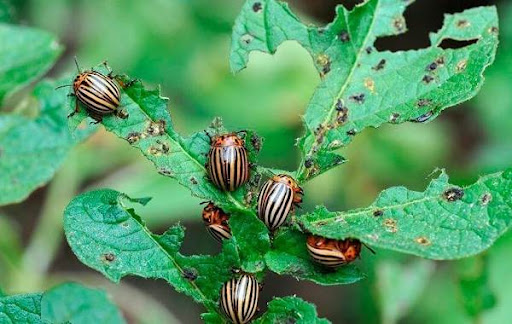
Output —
(359, 98)
(380, 65)
(344, 36)
(453, 194)
(256, 7)
(427, 79)
(378, 213)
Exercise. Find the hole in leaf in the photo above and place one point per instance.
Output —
(454, 44)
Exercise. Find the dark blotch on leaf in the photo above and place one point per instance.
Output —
(369, 50)
(193, 180)
(344, 36)
(359, 98)
(133, 137)
(394, 117)
(156, 128)
(431, 67)
(378, 213)
(326, 68)
(351, 132)
(256, 7)
(380, 65)
(486, 198)
(165, 172)
(453, 194)
(308, 163)
(462, 23)
(399, 24)
(427, 79)
(109, 257)
(190, 274)
(256, 142)
(342, 115)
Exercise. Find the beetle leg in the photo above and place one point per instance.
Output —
(105, 64)
(77, 109)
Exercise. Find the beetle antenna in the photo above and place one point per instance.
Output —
(77, 65)
(63, 86)
(369, 248)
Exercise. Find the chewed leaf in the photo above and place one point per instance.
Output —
(109, 237)
(148, 127)
(362, 87)
(289, 256)
(443, 222)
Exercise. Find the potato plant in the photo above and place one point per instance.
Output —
(360, 87)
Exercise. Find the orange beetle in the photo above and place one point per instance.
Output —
(333, 253)
(216, 221)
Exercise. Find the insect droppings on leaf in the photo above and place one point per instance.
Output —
(461, 65)
(422, 240)
(453, 194)
(256, 142)
(390, 225)
(165, 172)
(463, 23)
(486, 198)
(109, 257)
(308, 163)
(494, 30)
(156, 128)
(399, 24)
(133, 137)
(344, 36)
(369, 50)
(246, 39)
(351, 132)
(190, 274)
(381, 65)
(423, 102)
(394, 117)
(193, 180)
(423, 118)
(342, 115)
(256, 7)
(359, 98)
(427, 79)
(378, 213)
(325, 62)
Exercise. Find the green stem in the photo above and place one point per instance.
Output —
(48, 234)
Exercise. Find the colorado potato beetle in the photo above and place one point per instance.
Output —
(228, 162)
(216, 221)
(99, 93)
(278, 196)
(333, 253)
(239, 298)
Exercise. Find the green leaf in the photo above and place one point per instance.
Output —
(23, 309)
(73, 303)
(474, 288)
(26, 54)
(109, 237)
(149, 128)
(443, 222)
(399, 286)
(289, 256)
(290, 310)
(362, 87)
(32, 150)
(6, 11)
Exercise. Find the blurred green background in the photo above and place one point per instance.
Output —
(183, 46)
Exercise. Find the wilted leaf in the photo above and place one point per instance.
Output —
(32, 150)
(25, 55)
(289, 256)
(109, 237)
(21, 309)
(362, 87)
(149, 128)
(290, 310)
(399, 286)
(443, 222)
(73, 303)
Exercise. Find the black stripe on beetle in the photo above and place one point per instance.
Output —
(228, 162)
(239, 298)
(277, 198)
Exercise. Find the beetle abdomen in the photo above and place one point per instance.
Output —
(239, 298)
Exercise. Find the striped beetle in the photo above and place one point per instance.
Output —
(333, 253)
(278, 197)
(239, 298)
(228, 162)
(97, 92)
(216, 221)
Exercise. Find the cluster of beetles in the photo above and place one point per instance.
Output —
(228, 169)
